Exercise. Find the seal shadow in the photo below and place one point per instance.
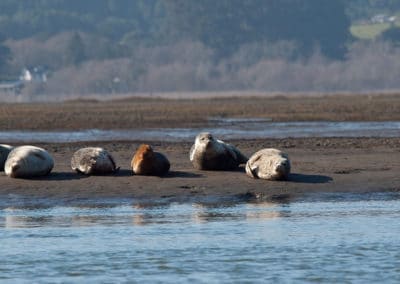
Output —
(123, 173)
(181, 174)
(170, 174)
(303, 178)
(60, 176)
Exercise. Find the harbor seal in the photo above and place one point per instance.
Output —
(269, 164)
(147, 162)
(208, 153)
(93, 161)
(4, 151)
(28, 161)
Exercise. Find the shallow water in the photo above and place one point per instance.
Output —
(325, 238)
(228, 128)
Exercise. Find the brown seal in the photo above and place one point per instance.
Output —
(209, 153)
(147, 162)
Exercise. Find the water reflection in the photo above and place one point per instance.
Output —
(247, 207)
(203, 213)
(14, 218)
(137, 214)
(263, 211)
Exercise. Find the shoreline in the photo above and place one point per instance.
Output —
(319, 165)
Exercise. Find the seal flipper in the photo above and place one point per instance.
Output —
(79, 171)
(115, 169)
(251, 171)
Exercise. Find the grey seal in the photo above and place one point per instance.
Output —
(4, 151)
(147, 162)
(28, 161)
(93, 161)
(269, 164)
(209, 153)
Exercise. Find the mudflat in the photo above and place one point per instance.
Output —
(319, 165)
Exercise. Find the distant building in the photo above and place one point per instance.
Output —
(14, 87)
(392, 19)
(383, 18)
(36, 75)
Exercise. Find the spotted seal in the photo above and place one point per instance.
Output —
(269, 164)
(93, 161)
(208, 153)
(147, 162)
(28, 161)
(4, 151)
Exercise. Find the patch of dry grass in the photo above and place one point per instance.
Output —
(141, 113)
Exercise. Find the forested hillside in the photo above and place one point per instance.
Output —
(364, 9)
(121, 46)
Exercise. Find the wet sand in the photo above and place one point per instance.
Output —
(319, 165)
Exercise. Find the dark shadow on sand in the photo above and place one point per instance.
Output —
(123, 173)
(170, 174)
(181, 174)
(60, 176)
(302, 178)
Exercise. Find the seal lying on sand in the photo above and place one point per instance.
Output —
(93, 161)
(28, 161)
(4, 151)
(208, 153)
(147, 162)
(270, 164)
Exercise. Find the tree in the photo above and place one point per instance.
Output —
(224, 25)
(5, 57)
(392, 34)
(75, 53)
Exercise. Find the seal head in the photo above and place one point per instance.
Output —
(209, 153)
(147, 162)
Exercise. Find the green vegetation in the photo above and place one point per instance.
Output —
(368, 31)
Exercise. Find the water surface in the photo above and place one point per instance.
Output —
(328, 238)
(228, 128)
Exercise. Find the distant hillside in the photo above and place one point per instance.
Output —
(223, 25)
(114, 19)
(68, 47)
(359, 10)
